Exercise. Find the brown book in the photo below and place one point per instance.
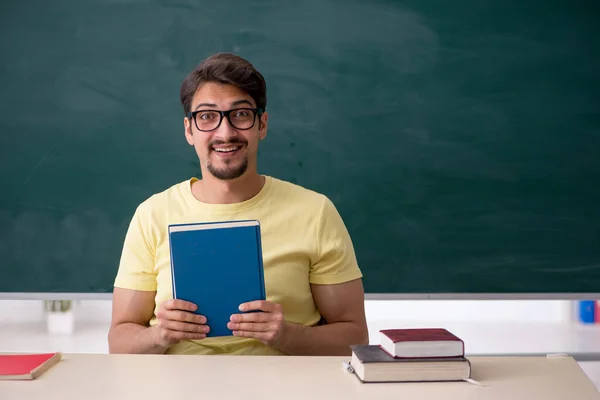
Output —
(421, 343)
(371, 364)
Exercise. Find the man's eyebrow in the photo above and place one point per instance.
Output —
(243, 101)
(235, 103)
(205, 105)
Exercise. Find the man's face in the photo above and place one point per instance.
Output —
(228, 151)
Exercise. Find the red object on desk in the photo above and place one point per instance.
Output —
(421, 343)
(26, 366)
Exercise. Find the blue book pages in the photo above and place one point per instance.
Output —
(217, 266)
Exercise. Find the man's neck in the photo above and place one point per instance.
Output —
(215, 191)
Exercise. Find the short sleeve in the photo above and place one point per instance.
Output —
(136, 267)
(336, 260)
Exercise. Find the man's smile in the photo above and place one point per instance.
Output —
(227, 149)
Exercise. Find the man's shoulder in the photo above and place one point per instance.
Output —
(296, 193)
(160, 201)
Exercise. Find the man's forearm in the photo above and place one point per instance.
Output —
(132, 338)
(330, 340)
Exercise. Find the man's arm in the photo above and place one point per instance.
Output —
(130, 332)
(341, 306)
(343, 309)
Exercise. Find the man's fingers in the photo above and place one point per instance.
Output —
(183, 316)
(186, 316)
(260, 305)
(185, 327)
(252, 317)
(169, 337)
(264, 336)
(249, 326)
(176, 304)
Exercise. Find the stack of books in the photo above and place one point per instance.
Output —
(412, 355)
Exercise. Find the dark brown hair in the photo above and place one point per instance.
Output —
(225, 68)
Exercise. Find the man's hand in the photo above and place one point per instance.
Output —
(177, 322)
(266, 326)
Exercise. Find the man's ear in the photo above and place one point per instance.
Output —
(187, 126)
(262, 125)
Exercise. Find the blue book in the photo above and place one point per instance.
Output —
(217, 266)
(587, 311)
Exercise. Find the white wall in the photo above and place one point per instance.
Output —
(554, 311)
(487, 326)
(426, 311)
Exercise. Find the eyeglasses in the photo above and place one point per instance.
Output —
(239, 118)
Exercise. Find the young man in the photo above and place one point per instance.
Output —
(315, 298)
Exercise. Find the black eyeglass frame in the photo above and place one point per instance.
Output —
(257, 112)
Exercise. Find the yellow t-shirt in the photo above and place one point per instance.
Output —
(303, 237)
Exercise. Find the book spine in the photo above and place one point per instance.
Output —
(261, 272)
(173, 286)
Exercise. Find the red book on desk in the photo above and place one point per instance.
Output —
(421, 343)
(26, 366)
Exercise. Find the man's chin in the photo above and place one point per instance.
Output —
(228, 173)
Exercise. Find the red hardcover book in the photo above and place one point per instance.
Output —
(421, 343)
(26, 366)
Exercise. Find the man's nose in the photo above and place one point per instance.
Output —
(226, 130)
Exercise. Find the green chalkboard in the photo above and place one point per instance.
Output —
(459, 140)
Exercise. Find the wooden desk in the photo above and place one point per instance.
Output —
(147, 377)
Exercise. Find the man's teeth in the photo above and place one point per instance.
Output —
(226, 149)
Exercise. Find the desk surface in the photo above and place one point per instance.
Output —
(103, 376)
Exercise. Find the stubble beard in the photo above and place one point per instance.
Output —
(230, 172)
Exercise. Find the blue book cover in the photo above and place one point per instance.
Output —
(587, 311)
(217, 266)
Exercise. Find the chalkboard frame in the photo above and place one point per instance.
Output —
(529, 224)
(368, 296)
